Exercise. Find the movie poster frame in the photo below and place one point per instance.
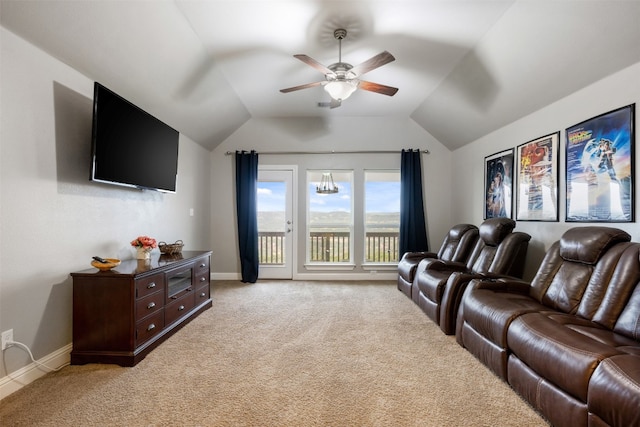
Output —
(581, 154)
(501, 161)
(537, 160)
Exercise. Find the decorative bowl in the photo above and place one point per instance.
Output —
(112, 262)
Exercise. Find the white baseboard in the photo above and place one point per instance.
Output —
(390, 275)
(346, 277)
(225, 276)
(24, 376)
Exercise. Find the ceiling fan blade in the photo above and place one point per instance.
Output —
(371, 64)
(315, 64)
(304, 86)
(377, 88)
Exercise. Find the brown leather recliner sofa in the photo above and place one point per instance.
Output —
(498, 252)
(456, 247)
(569, 341)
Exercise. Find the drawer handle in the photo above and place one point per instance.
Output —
(203, 295)
(203, 279)
(151, 305)
(203, 265)
(151, 327)
(181, 308)
(189, 289)
(151, 285)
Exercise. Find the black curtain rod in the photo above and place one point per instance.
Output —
(229, 153)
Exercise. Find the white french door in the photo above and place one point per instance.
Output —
(275, 222)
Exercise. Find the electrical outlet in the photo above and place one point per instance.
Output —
(6, 337)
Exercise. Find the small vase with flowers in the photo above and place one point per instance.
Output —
(144, 245)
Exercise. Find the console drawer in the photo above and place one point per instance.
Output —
(149, 304)
(202, 294)
(202, 265)
(201, 272)
(149, 327)
(179, 308)
(202, 281)
(148, 285)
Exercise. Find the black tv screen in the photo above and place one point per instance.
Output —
(130, 147)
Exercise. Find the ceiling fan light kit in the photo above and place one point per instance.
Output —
(343, 79)
(341, 89)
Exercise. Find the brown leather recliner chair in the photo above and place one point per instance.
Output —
(569, 341)
(498, 252)
(456, 246)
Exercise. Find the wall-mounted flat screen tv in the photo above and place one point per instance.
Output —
(130, 147)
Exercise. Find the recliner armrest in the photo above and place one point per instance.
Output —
(502, 284)
(440, 265)
(409, 262)
(457, 285)
(416, 257)
(452, 297)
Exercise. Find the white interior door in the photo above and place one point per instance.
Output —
(275, 222)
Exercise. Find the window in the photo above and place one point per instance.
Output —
(330, 219)
(382, 216)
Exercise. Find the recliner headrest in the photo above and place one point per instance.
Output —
(587, 244)
(494, 230)
(457, 231)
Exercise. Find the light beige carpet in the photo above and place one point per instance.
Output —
(281, 353)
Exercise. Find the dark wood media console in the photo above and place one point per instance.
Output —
(119, 316)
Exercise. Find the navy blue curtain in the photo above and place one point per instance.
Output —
(413, 227)
(247, 212)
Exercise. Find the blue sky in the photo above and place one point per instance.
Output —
(380, 197)
(338, 202)
(271, 196)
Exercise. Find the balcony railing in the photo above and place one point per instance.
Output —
(271, 247)
(330, 247)
(381, 246)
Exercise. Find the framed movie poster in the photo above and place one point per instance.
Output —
(600, 168)
(498, 180)
(537, 179)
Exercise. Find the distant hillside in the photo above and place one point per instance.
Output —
(275, 221)
(271, 221)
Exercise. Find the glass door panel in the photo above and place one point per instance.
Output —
(275, 224)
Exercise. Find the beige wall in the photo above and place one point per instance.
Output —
(618, 90)
(336, 133)
(52, 219)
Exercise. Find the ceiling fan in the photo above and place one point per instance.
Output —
(342, 79)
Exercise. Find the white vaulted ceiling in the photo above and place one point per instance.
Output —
(463, 67)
